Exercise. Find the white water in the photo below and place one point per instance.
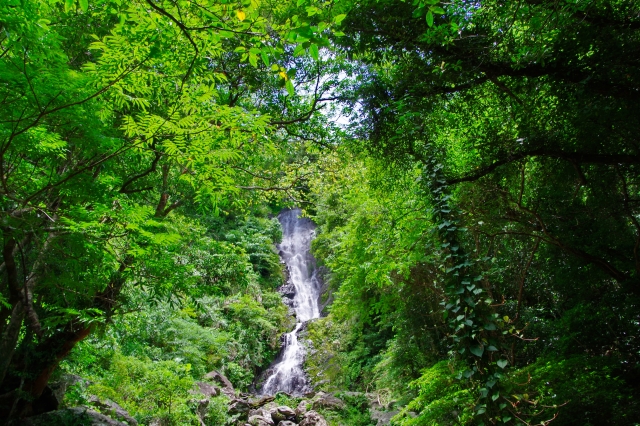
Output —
(286, 374)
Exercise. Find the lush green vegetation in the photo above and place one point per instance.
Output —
(478, 215)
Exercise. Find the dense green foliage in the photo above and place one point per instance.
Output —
(490, 213)
(150, 357)
(479, 216)
(126, 128)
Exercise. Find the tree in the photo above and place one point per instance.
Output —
(115, 115)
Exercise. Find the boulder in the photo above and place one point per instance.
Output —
(301, 409)
(260, 421)
(286, 423)
(313, 418)
(382, 418)
(202, 406)
(261, 401)
(208, 390)
(281, 413)
(227, 386)
(328, 402)
(70, 416)
(260, 412)
(239, 406)
(276, 416)
(54, 393)
(112, 410)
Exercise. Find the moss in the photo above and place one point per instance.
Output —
(325, 361)
(355, 413)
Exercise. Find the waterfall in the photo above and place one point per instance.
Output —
(286, 373)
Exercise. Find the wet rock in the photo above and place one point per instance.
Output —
(328, 402)
(260, 421)
(288, 290)
(208, 389)
(112, 410)
(70, 416)
(313, 418)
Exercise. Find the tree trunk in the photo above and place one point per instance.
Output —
(9, 338)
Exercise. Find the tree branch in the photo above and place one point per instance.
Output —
(577, 157)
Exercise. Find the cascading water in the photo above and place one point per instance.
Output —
(286, 374)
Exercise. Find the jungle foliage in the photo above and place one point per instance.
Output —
(129, 130)
(478, 215)
(489, 213)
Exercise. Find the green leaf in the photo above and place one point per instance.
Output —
(313, 49)
(84, 4)
(298, 50)
(339, 18)
(265, 58)
(477, 350)
(290, 89)
(502, 363)
(68, 5)
(253, 60)
(429, 18)
(437, 9)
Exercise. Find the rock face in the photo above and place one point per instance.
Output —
(113, 410)
(330, 402)
(70, 416)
